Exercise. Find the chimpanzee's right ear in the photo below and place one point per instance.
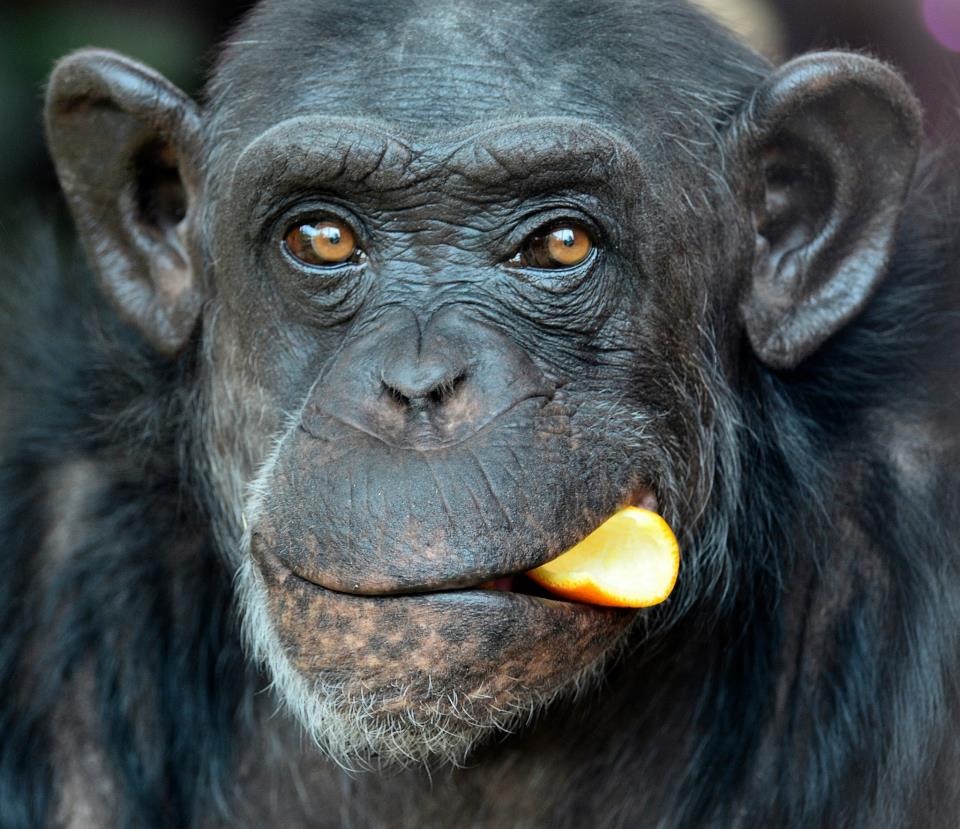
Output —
(125, 143)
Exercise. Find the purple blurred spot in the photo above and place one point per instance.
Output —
(943, 21)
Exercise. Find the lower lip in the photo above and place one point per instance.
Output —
(476, 641)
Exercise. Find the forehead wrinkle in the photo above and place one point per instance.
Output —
(440, 62)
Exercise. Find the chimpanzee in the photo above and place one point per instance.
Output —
(416, 297)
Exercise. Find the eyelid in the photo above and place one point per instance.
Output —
(538, 218)
(317, 208)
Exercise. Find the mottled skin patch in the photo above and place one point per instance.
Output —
(486, 646)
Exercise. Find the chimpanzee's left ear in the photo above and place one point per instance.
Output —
(833, 139)
(125, 143)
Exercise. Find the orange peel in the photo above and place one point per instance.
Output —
(631, 560)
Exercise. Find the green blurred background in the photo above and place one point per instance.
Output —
(174, 37)
(178, 38)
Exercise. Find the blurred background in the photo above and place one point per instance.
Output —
(177, 37)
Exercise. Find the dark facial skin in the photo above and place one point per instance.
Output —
(434, 415)
(414, 491)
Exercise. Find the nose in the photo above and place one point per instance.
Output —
(424, 386)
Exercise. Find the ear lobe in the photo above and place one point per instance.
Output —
(125, 141)
(835, 138)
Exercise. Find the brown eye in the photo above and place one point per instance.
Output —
(327, 242)
(562, 246)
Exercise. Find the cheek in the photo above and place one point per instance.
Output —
(242, 420)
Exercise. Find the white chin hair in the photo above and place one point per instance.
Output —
(373, 729)
(369, 731)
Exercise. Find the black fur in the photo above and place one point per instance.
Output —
(143, 601)
(864, 736)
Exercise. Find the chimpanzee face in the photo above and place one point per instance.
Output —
(453, 307)
(446, 339)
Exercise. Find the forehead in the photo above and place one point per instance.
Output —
(432, 66)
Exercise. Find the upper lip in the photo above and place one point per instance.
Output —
(413, 568)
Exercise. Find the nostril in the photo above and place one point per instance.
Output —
(446, 388)
(396, 395)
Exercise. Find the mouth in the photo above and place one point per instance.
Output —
(500, 589)
(530, 584)
(518, 583)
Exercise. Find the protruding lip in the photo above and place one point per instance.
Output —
(513, 583)
(493, 646)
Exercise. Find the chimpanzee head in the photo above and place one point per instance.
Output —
(459, 281)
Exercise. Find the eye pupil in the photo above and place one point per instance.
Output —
(326, 242)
